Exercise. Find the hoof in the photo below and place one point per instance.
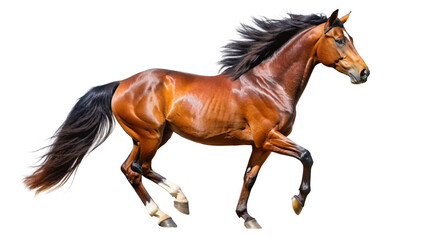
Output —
(297, 205)
(252, 224)
(168, 223)
(182, 207)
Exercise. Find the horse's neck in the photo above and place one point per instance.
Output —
(292, 65)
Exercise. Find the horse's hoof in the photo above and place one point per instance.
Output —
(297, 205)
(168, 223)
(182, 207)
(252, 224)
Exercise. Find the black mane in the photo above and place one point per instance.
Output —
(258, 44)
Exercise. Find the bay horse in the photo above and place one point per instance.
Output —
(251, 102)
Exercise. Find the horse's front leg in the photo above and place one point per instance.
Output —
(257, 158)
(279, 143)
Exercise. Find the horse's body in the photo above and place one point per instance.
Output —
(217, 111)
(211, 106)
(253, 103)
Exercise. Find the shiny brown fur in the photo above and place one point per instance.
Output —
(255, 106)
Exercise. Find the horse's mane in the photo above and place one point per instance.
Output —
(258, 44)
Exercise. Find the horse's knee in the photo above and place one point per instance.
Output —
(306, 158)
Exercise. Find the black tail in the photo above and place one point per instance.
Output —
(87, 126)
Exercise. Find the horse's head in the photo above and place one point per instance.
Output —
(336, 49)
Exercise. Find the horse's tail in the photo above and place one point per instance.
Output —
(87, 126)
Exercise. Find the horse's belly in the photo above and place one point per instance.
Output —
(207, 116)
(219, 128)
(212, 135)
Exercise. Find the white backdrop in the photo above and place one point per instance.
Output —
(367, 141)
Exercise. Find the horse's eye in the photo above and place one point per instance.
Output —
(340, 41)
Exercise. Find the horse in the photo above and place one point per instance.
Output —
(252, 101)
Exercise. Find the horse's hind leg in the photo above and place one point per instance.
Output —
(181, 203)
(133, 171)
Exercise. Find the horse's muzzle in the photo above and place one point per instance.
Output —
(364, 75)
(361, 78)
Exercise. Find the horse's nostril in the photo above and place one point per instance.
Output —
(365, 73)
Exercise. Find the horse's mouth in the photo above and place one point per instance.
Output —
(356, 80)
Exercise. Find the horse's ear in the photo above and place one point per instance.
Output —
(331, 19)
(344, 18)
